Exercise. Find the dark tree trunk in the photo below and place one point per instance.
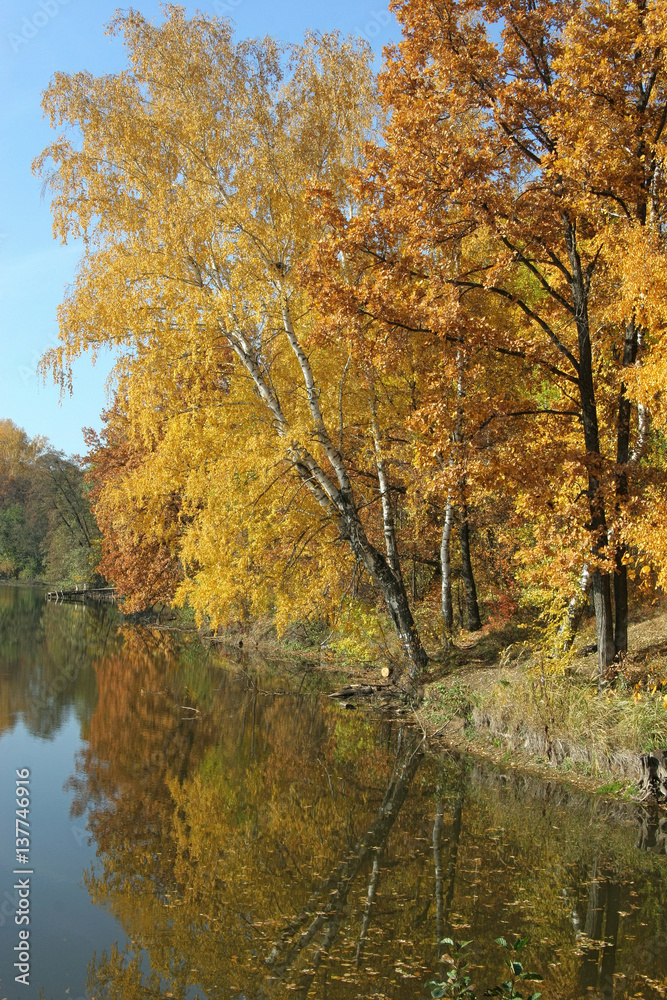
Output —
(622, 459)
(620, 600)
(601, 588)
(580, 282)
(473, 621)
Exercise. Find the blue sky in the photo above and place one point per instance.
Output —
(37, 38)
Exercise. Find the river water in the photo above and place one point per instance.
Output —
(200, 828)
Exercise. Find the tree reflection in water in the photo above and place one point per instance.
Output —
(319, 922)
(254, 843)
(45, 657)
(251, 827)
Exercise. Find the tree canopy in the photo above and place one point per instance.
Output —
(352, 315)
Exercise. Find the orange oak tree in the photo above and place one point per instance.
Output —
(520, 184)
(142, 563)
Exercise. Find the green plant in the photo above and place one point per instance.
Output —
(457, 982)
(508, 990)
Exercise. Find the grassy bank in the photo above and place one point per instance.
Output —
(502, 696)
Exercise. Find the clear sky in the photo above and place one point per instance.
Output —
(37, 38)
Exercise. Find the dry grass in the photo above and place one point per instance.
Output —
(565, 720)
(522, 703)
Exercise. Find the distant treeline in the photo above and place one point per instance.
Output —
(47, 530)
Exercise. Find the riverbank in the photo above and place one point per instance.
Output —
(496, 695)
(514, 705)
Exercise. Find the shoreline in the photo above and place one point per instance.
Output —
(472, 700)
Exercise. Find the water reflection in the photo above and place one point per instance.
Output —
(307, 938)
(601, 930)
(255, 843)
(44, 656)
(652, 823)
(288, 846)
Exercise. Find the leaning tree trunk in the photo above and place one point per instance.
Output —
(334, 493)
(391, 587)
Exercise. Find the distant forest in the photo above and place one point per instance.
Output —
(47, 530)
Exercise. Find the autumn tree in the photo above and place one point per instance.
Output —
(144, 566)
(523, 163)
(189, 184)
(372, 275)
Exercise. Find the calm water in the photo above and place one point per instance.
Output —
(199, 829)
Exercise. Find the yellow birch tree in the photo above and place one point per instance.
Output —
(188, 178)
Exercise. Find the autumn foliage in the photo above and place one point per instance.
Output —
(357, 320)
(143, 565)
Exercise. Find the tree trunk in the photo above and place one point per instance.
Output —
(622, 459)
(601, 588)
(576, 608)
(389, 583)
(620, 600)
(579, 284)
(473, 621)
(446, 567)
